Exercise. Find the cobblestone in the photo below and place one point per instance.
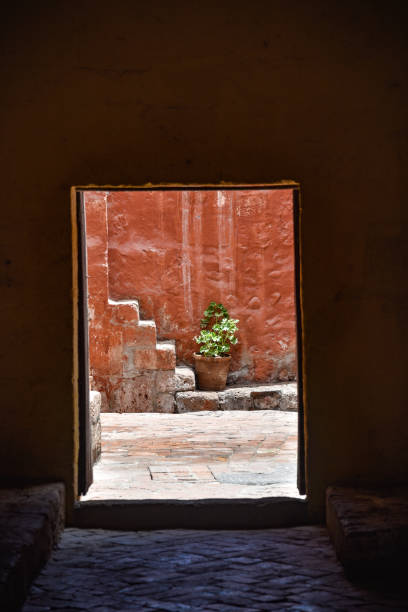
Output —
(233, 454)
(273, 569)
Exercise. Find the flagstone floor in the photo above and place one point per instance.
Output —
(200, 455)
(181, 570)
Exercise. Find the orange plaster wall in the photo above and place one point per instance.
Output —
(175, 251)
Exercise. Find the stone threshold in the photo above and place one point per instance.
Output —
(31, 521)
(191, 514)
(275, 396)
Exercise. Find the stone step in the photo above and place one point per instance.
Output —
(165, 355)
(194, 401)
(161, 356)
(142, 336)
(124, 312)
(282, 396)
(181, 379)
(369, 529)
(184, 379)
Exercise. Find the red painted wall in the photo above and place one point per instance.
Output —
(175, 251)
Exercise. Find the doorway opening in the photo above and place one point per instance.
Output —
(151, 261)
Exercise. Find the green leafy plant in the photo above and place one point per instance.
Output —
(218, 331)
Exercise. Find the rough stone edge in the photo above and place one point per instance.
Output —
(29, 554)
(195, 396)
(365, 548)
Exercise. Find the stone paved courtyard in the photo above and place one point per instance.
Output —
(201, 455)
(186, 570)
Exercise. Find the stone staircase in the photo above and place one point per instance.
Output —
(144, 377)
(141, 348)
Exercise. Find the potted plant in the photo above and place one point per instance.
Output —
(218, 332)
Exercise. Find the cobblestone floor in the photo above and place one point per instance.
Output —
(220, 454)
(276, 569)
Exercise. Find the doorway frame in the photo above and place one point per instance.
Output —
(83, 465)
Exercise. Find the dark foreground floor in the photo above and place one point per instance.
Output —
(273, 569)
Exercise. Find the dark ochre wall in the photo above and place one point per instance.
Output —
(128, 92)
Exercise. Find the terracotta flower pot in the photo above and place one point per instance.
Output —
(211, 372)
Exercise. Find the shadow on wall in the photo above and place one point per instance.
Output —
(176, 250)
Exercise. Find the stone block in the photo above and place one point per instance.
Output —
(144, 359)
(194, 401)
(276, 396)
(184, 378)
(235, 399)
(369, 528)
(165, 356)
(289, 401)
(124, 312)
(266, 398)
(134, 394)
(165, 382)
(142, 335)
(165, 402)
(172, 381)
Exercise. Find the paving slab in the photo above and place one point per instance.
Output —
(203, 455)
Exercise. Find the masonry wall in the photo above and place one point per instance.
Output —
(176, 251)
(96, 94)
